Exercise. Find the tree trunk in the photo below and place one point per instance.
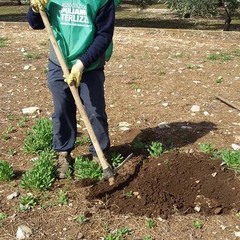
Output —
(228, 20)
(19, 2)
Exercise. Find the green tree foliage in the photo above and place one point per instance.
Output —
(205, 8)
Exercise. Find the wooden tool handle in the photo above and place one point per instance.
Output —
(75, 93)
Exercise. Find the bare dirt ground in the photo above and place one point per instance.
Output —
(154, 76)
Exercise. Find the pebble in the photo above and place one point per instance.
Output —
(195, 108)
(31, 110)
(237, 234)
(23, 232)
(235, 146)
(13, 195)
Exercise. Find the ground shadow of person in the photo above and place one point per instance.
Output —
(172, 136)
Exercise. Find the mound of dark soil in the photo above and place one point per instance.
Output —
(174, 183)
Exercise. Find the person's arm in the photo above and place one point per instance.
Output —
(104, 23)
(34, 19)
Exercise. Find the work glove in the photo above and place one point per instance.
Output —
(38, 5)
(76, 74)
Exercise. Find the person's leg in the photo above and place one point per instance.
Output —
(92, 95)
(64, 116)
(64, 119)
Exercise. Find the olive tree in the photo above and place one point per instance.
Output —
(204, 8)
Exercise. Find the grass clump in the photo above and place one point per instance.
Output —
(220, 56)
(118, 234)
(39, 138)
(207, 148)
(42, 175)
(116, 159)
(3, 41)
(231, 158)
(6, 171)
(197, 224)
(28, 201)
(80, 141)
(155, 149)
(85, 169)
(3, 216)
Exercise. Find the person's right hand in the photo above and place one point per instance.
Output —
(38, 5)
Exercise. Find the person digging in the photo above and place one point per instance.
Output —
(84, 32)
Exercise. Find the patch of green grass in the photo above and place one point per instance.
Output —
(220, 56)
(85, 169)
(12, 151)
(148, 238)
(116, 159)
(80, 141)
(3, 42)
(118, 234)
(206, 148)
(155, 149)
(134, 86)
(28, 201)
(197, 224)
(42, 175)
(190, 66)
(3, 216)
(81, 219)
(5, 137)
(22, 122)
(231, 158)
(32, 55)
(6, 171)
(219, 80)
(39, 138)
(11, 129)
(62, 197)
(129, 193)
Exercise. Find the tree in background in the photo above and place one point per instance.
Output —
(206, 8)
(189, 8)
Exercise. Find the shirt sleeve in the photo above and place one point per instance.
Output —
(104, 24)
(34, 19)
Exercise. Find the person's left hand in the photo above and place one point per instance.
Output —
(76, 74)
(38, 5)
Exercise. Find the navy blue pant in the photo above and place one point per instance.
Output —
(91, 92)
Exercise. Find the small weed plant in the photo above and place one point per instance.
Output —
(3, 42)
(32, 55)
(118, 234)
(6, 171)
(3, 216)
(80, 141)
(155, 149)
(42, 175)
(28, 201)
(231, 158)
(116, 159)
(62, 197)
(150, 223)
(206, 148)
(22, 122)
(197, 224)
(81, 219)
(129, 194)
(220, 56)
(39, 138)
(85, 169)
(148, 238)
